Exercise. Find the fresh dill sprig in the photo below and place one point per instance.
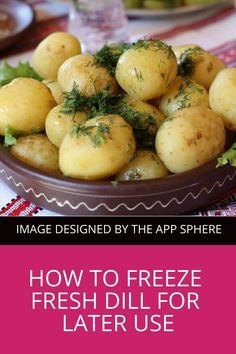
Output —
(154, 44)
(109, 55)
(144, 125)
(139, 75)
(186, 66)
(74, 101)
(101, 103)
(98, 134)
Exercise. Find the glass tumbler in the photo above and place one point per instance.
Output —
(98, 22)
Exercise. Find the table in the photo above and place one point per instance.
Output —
(214, 30)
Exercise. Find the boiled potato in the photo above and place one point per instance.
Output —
(144, 118)
(145, 165)
(37, 151)
(55, 89)
(99, 149)
(52, 52)
(24, 105)
(189, 138)
(146, 70)
(183, 93)
(180, 49)
(88, 77)
(58, 124)
(200, 66)
(222, 96)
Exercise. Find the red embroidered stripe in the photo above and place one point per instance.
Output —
(198, 24)
(19, 206)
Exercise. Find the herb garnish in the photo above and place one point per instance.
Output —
(228, 157)
(133, 175)
(114, 183)
(144, 125)
(103, 103)
(154, 44)
(186, 66)
(138, 74)
(109, 55)
(98, 134)
(9, 138)
(100, 103)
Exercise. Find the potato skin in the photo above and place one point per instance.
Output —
(189, 138)
(55, 89)
(80, 157)
(182, 94)
(52, 52)
(145, 165)
(144, 118)
(58, 124)
(180, 49)
(37, 151)
(146, 72)
(200, 66)
(222, 96)
(24, 105)
(88, 77)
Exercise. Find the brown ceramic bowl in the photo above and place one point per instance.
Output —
(22, 16)
(175, 194)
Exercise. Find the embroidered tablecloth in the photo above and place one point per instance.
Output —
(215, 30)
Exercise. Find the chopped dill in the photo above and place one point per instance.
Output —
(138, 74)
(103, 103)
(186, 66)
(74, 101)
(144, 125)
(114, 183)
(100, 103)
(9, 138)
(185, 90)
(133, 175)
(109, 55)
(98, 134)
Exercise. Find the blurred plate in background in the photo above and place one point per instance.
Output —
(16, 18)
(182, 10)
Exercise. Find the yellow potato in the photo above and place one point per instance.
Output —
(88, 77)
(99, 149)
(55, 89)
(145, 165)
(37, 151)
(52, 52)
(146, 70)
(24, 105)
(183, 93)
(200, 66)
(222, 96)
(189, 138)
(58, 124)
(180, 49)
(144, 118)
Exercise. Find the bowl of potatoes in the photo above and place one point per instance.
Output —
(134, 129)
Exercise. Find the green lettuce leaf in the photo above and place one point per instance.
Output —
(228, 157)
(9, 138)
(9, 73)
